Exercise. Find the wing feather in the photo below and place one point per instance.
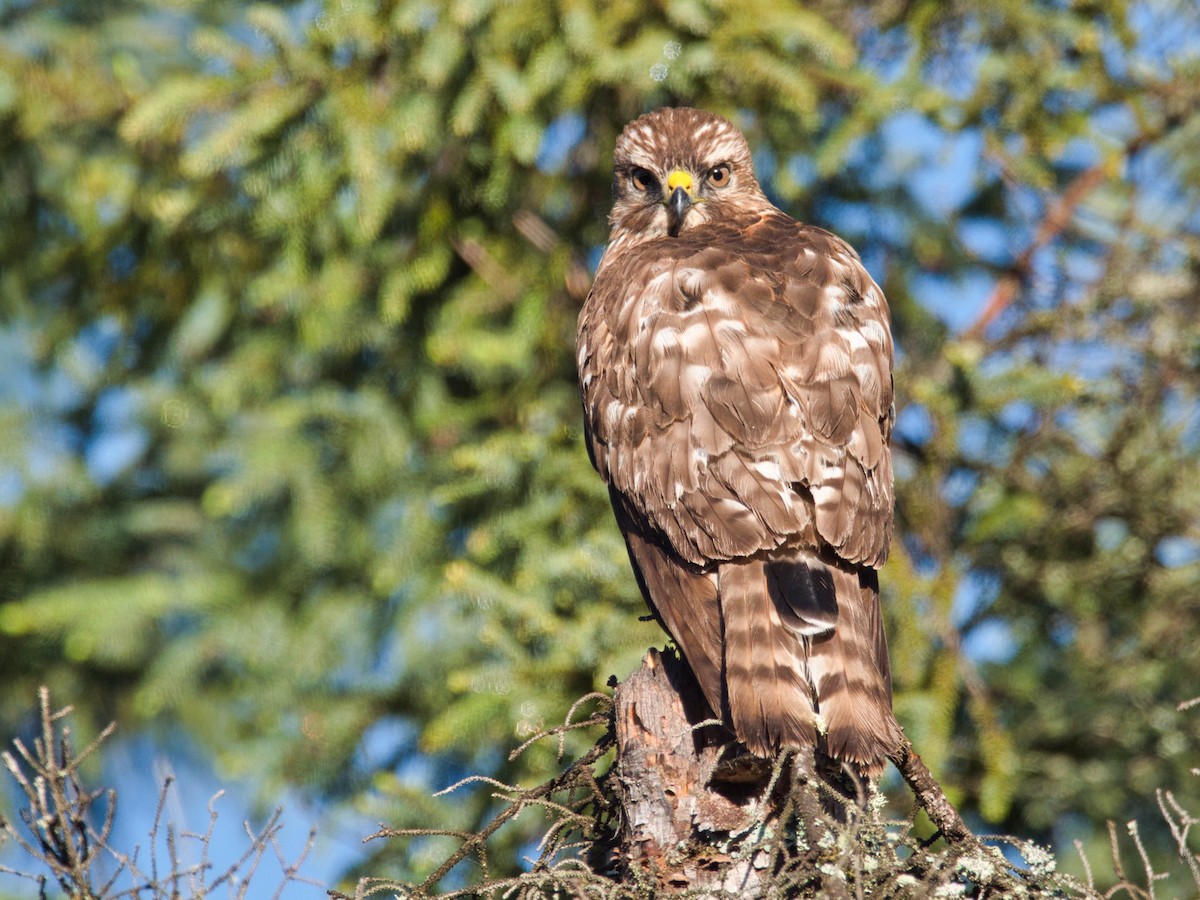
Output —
(750, 381)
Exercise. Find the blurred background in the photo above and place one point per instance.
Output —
(292, 484)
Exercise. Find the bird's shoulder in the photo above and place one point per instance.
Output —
(722, 368)
(762, 258)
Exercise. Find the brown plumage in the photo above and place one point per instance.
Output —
(736, 372)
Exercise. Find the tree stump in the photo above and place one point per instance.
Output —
(692, 818)
(678, 822)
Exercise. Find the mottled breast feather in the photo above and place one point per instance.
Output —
(742, 401)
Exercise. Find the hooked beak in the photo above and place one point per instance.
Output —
(677, 206)
(679, 183)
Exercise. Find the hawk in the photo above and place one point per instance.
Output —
(736, 375)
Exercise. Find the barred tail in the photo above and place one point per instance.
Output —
(852, 676)
(806, 658)
(769, 700)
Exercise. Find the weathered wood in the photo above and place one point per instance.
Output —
(680, 823)
(686, 806)
(674, 820)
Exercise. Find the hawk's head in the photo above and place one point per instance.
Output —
(677, 168)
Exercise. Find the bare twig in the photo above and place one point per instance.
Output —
(1179, 822)
(62, 835)
(1087, 866)
(568, 725)
(929, 794)
(1056, 219)
(475, 842)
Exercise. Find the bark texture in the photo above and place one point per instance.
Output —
(692, 816)
(678, 826)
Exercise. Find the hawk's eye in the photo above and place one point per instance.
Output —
(718, 176)
(643, 180)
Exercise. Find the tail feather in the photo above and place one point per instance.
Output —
(769, 699)
(787, 648)
(802, 588)
(852, 677)
(806, 658)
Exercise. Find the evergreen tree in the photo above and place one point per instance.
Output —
(291, 447)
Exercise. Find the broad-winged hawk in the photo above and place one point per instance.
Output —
(736, 372)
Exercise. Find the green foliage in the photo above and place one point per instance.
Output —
(291, 431)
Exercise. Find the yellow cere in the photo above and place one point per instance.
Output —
(679, 178)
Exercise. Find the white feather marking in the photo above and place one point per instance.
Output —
(665, 338)
(832, 362)
(873, 331)
(854, 339)
(659, 282)
(689, 279)
(834, 294)
(769, 469)
(692, 380)
(725, 302)
(612, 414)
(735, 325)
(695, 335)
(825, 496)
